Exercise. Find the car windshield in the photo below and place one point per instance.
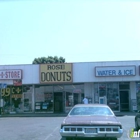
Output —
(91, 111)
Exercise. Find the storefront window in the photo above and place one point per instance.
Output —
(113, 96)
(102, 89)
(69, 99)
(58, 98)
(74, 95)
(44, 98)
(12, 99)
(107, 93)
(27, 98)
(138, 95)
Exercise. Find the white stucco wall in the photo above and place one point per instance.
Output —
(30, 73)
(85, 72)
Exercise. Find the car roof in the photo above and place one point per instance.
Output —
(91, 105)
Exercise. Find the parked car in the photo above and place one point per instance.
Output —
(137, 121)
(91, 121)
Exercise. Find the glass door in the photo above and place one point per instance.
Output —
(124, 100)
(124, 96)
(58, 98)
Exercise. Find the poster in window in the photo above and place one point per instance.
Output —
(17, 82)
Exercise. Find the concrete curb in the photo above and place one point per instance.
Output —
(34, 115)
(119, 114)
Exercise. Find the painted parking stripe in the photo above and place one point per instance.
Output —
(51, 134)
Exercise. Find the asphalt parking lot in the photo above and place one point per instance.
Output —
(44, 128)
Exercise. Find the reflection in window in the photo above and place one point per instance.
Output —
(102, 89)
(108, 90)
(138, 95)
(91, 111)
(44, 98)
(113, 96)
(69, 99)
(74, 95)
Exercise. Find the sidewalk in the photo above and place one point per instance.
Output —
(35, 115)
(125, 113)
(58, 114)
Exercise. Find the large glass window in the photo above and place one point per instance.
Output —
(16, 99)
(27, 98)
(138, 95)
(12, 99)
(58, 98)
(102, 89)
(109, 93)
(96, 93)
(73, 95)
(113, 96)
(44, 98)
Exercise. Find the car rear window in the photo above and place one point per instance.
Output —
(91, 111)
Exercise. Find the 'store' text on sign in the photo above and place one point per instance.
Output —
(11, 74)
(54, 73)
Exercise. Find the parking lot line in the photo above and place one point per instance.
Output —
(51, 134)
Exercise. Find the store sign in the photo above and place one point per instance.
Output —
(16, 96)
(56, 73)
(10, 90)
(115, 71)
(11, 74)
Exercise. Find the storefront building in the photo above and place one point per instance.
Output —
(51, 88)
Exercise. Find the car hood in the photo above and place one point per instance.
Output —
(91, 120)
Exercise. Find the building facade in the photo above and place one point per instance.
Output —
(50, 88)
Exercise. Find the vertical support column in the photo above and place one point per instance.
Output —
(0, 101)
(2, 86)
(132, 95)
(33, 98)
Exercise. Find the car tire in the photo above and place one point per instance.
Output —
(69, 138)
(114, 139)
(111, 139)
(66, 138)
(136, 125)
(63, 138)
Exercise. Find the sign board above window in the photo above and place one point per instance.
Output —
(11, 74)
(115, 71)
(56, 73)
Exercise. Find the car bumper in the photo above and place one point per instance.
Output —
(98, 133)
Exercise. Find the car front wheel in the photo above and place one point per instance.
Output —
(111, 139)
(69, 138)
(66, 138)
(114, 139)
